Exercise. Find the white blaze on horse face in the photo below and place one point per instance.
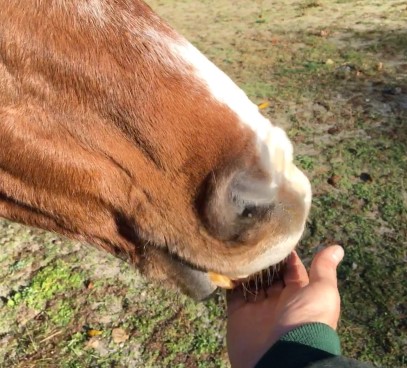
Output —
(274, 147)
(224, 89)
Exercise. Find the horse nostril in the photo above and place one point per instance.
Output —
(248, 212)
(256, 212)
(245, 205)
(237, 206)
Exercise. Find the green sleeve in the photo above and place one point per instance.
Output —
(302, 346)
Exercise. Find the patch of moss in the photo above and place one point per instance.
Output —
(56, 278)
(61, 314)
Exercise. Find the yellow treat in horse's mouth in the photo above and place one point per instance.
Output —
(221, 280)
(262, 279)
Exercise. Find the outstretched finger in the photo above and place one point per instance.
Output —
(323, 267)
(295, 273)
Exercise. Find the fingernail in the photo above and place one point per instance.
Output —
(338, 253)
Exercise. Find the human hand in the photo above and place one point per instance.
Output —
(253, 327)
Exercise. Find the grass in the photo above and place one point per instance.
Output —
(369, 219)
(349, 137)
(309, 4)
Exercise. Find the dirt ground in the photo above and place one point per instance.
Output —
(334, 74)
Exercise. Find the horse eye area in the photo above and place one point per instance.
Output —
(252, 284)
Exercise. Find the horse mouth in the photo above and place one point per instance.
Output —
(201, 284)
(261, 280)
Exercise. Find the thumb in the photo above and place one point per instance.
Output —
(323, 267)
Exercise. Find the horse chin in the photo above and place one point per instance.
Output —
(177, 274)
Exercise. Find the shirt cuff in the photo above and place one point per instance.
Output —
(301, 346)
